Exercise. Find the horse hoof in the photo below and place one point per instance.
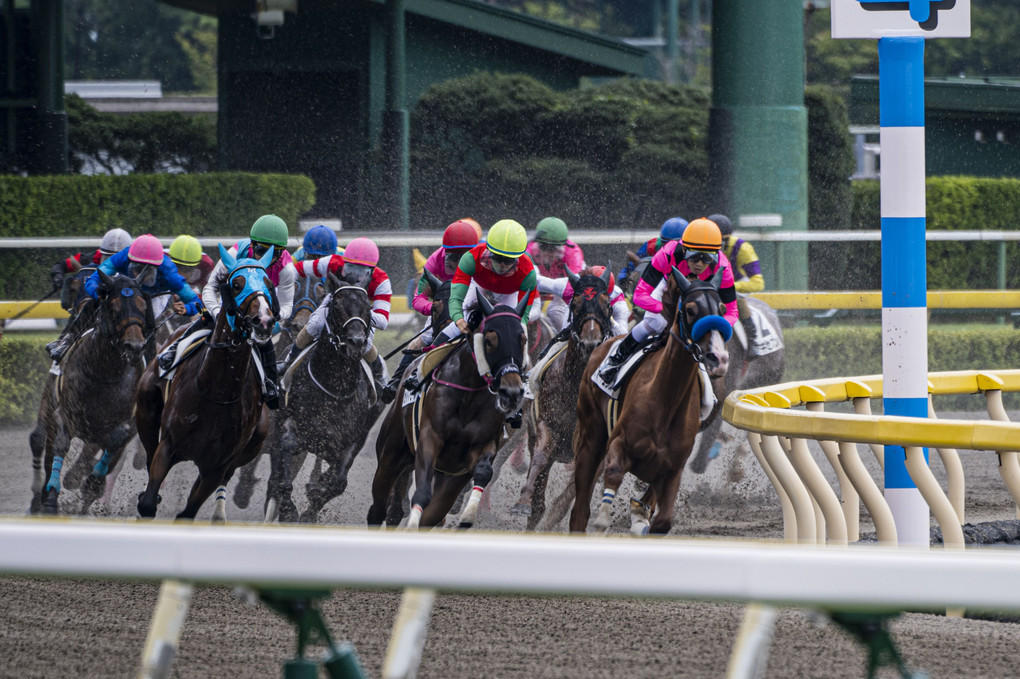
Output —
(288, 512)
(521, 509)
(640, 528)
(699, 463)
(308, 517)
(242, 494)
(36, 505)
(93, 487)
(49, 502)
(464, 525)
(138, 461)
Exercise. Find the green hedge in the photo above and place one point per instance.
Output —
(216, 204)
(23, 370)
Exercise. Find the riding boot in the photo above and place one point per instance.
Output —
(378, 373)
(267, 353)
(389, 392)
(166, 358)
(752, 336)
(621, 352)
(58, 347)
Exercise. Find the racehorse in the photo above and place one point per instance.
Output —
(462, 411)
(743, 373)
(92, 398)
(553, 413)
(329, 407)
(212, 413)
(649, 431)
(309, 292)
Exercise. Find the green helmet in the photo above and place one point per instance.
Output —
(552, 230)
(269, 229)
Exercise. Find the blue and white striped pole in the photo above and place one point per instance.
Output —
(904, 278)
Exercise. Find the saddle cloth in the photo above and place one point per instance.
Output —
(187, 346)
(423, 367)
(767, 340)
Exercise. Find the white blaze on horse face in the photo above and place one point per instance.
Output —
(717, 347)
(264, 327)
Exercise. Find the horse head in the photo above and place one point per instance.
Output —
(248, 296)
(502, 345)
(124, 313)
(309, 293)
(349, 318)
(440, 294)
(590, 315)
(700, 321)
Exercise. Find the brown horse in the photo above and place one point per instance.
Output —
(328, 411)
(657, 415)
(553, 414)
(213, 413)
(463, 410)
(92, 398)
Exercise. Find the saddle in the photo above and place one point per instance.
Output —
(187, 347)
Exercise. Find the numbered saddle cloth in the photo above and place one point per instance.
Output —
(767, 338)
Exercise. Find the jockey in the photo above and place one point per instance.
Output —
(746, 273)
(496, 267)
(144, 261)
(697, 254)
(358, 266)
(319, 241)
(458, 238)
(113, 241)
(193, 265)
(671, 229)
(554, 253)
(268, 231)
(561, 288)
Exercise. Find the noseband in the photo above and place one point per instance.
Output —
(336, 339)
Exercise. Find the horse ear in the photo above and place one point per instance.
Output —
(228, 259)
(267, 258)
(523, 304)
(681, 280)
(607, 273)
(433, 282)
(337, 283)
(484, 303)
(716, 280)
(572, 277)
(105, 278)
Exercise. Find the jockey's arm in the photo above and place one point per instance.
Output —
(176, 284)
(460, 285)
(285, 291)
(747, 263)
(422, 302)
(528, 290)
(652, 276)
(728, 293)
(211, 291)
(111, 267)
(381, 292)
(552, 286)
(620, 310)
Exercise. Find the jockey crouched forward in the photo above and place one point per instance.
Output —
(268, 231)
(496, 267)
(357, 266)
(697, 254)
(155, 273)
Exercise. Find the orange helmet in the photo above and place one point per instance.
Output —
(702, 234)
(478, 227)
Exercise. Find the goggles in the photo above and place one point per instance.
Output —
(144, 274)
(260, 249)
(701, 257)
(357, 274)
(502, 265)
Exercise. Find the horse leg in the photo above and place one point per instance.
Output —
(96, 482)
(540, 461)
(481, 478)
(446, 490)
(246, 481)
(616, 467)
(589, 450)
(332, 483)
(148, 415)
(41, 443)
(159, 467)
(399, 504)
(219, 514)
(538, 496)
(666, 505)
(54, 463)
(709, 436)
(424, 471)
(82, 465)
(280, 486)
(517, 456)
(203, 487)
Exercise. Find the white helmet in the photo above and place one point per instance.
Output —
(114, 241)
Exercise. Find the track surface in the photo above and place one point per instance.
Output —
(55, 628)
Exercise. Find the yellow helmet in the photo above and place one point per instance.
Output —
(507, 238)
(186, 251)
(702, 234)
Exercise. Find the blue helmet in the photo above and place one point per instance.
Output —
(673, 229)
(319, 241)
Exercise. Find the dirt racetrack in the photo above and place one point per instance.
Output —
(57, 628)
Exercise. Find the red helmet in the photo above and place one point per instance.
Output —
(460, 235)
(598, 270)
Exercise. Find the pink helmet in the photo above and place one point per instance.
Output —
(146, 250)
(362, 251)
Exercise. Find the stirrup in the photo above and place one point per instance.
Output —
(271, 396)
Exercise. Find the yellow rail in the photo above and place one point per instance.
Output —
(47, 309)
(812, 513)
(937, 299)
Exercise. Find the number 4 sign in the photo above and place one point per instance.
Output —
(881, 18)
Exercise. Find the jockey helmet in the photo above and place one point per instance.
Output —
(146, 250)
(673, 229)
(478, 227)
(598, 270)
(319, 241)
(362, 251)
(551, 230)
(723, 222)
(702, 234)
(186, 251)
(114, 241)
(460, 236)
(271, 230)
(507, 238)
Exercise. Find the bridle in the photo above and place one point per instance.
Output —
(336, 339)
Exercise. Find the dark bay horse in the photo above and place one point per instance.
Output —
(328, 411)
(92, 398)
(551, 417)
(463, 411)
(213, 413)
(743, 373)
(650, 430)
